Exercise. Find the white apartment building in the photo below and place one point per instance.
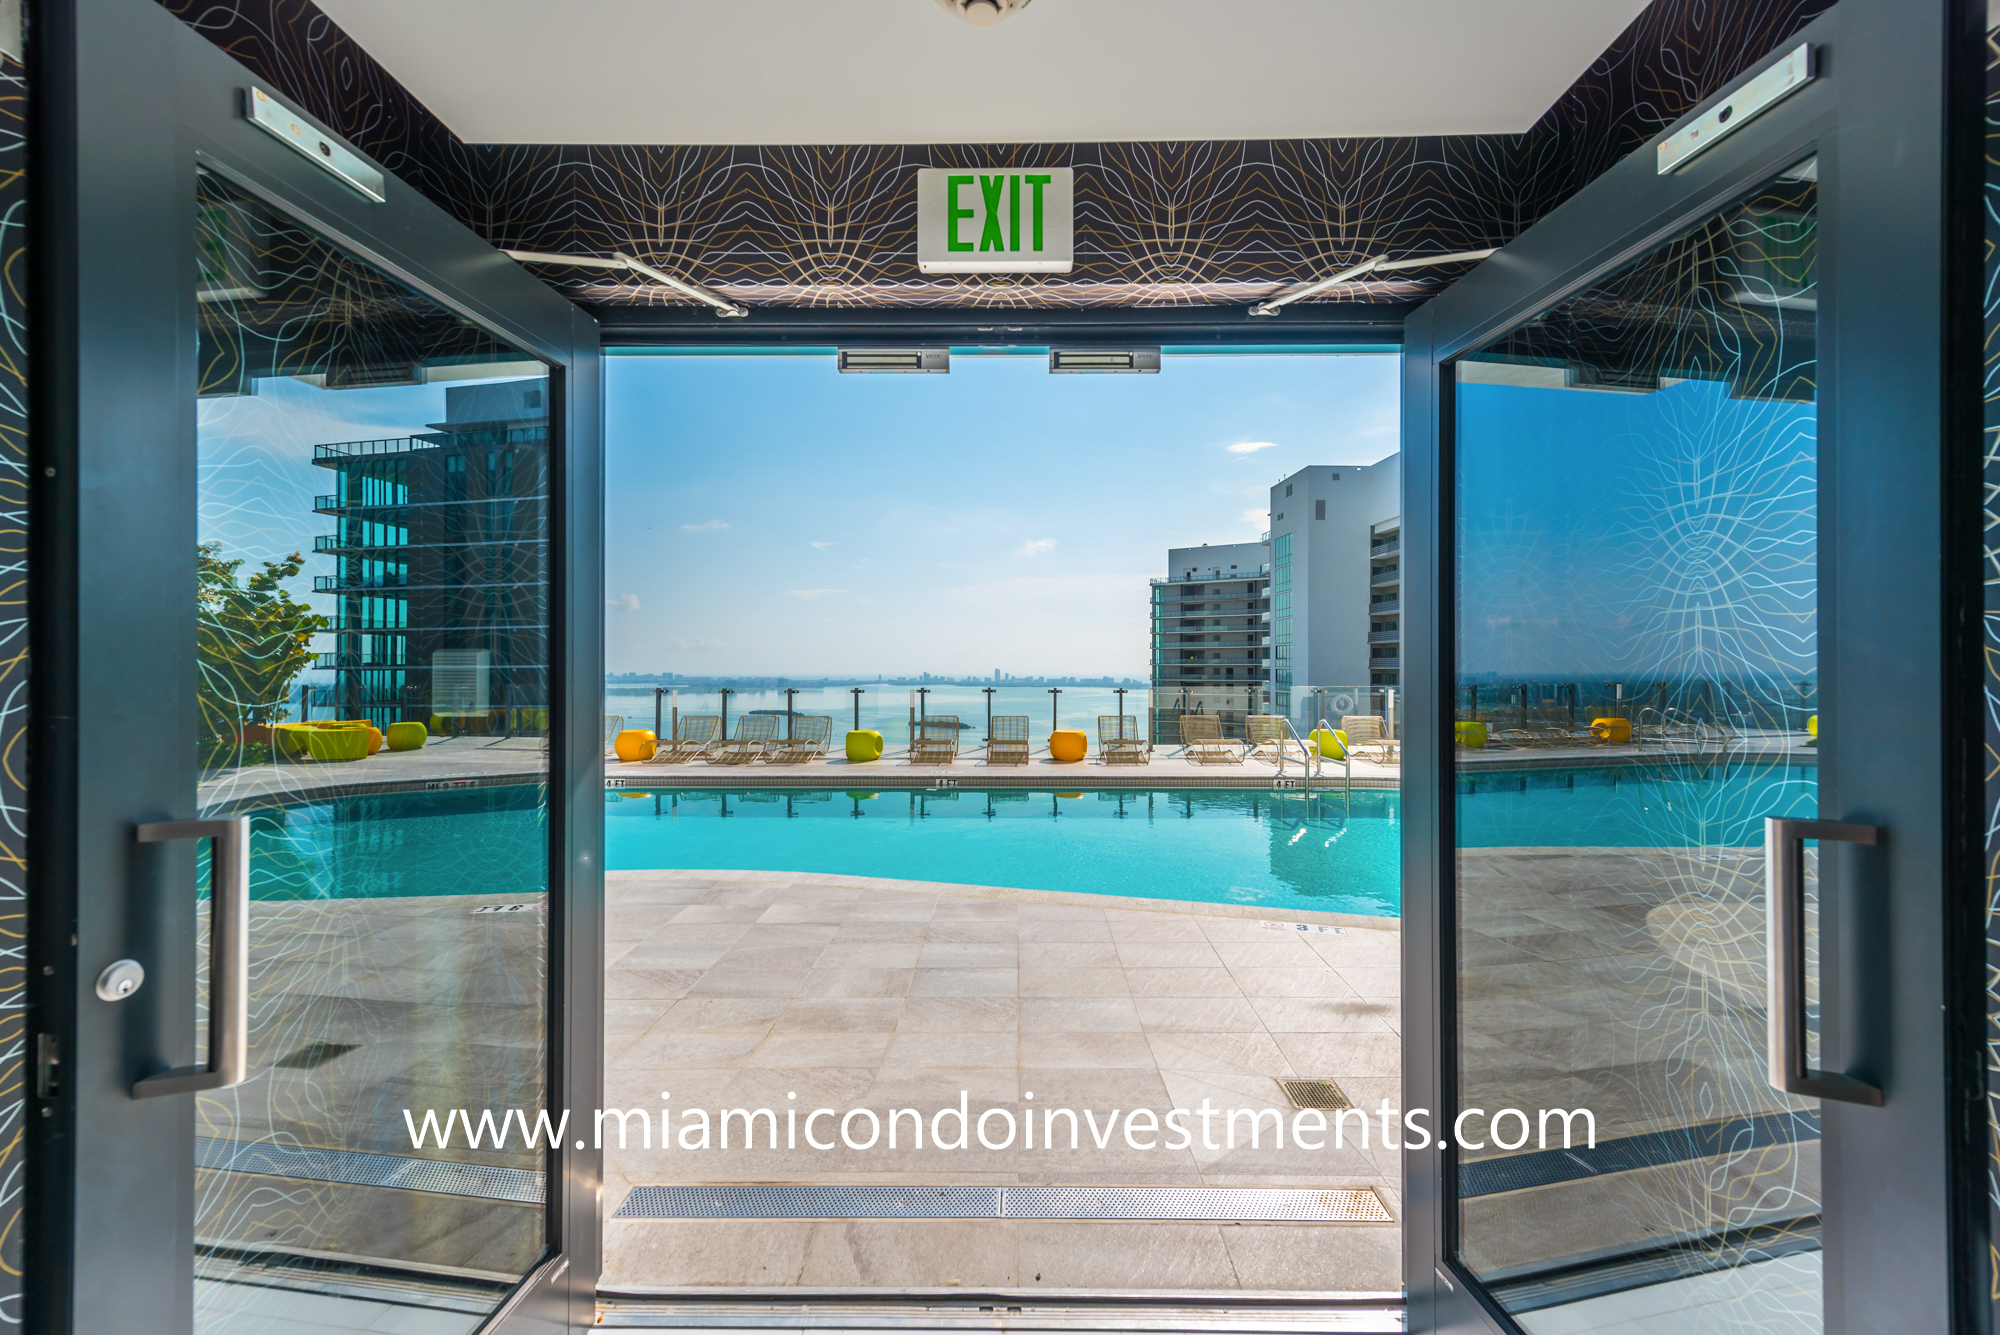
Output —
(1335, 580)
(1209, 633)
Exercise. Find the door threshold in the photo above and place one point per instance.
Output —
(952, 1311)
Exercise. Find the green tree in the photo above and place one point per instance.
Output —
(255, 639)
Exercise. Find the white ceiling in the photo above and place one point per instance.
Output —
(906, 72)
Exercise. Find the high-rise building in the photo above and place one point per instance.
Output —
(1335, 580)
(1209, 634)
(440, 551)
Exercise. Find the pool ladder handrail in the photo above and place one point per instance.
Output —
(1346, 754)
(1306, 756)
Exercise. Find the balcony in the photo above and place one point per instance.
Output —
(1385, 637)
(1389, 548)
(1383, 578)
(1190, 606)
(1386, 607)
(339, 662)
(1211, 576)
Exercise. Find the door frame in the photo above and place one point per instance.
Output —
(1905, 1231)
(127, 102)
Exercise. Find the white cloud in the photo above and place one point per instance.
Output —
(812, 593)
(1255, 518)
(1036, 548)
(711, 526)
(1252, 446)
(624, 602)
(819, 546)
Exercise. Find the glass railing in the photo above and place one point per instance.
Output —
(1690, 708)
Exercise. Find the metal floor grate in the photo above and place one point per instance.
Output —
(1541, 1168)
(360, 1169)
(1356, 1205)
(1315, 1094)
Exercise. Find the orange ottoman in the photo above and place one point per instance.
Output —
(1068, 744)
(635, 744)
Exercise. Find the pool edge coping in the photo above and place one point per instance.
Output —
(1076, 898)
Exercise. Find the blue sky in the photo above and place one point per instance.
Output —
(1659, 536)
(768, 515)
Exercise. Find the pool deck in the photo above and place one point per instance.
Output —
(451, 762)
(476, 762)
(1167, 768)
(735, 988)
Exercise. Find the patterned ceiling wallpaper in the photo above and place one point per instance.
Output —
(1157, 223)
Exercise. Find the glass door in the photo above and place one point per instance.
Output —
(327, 995)
(1687, 900)
(1637, 673)
(372, 689)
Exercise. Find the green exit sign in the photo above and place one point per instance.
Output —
(1008, 220)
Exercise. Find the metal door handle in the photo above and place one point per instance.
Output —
(1785, 950)
(228, 956)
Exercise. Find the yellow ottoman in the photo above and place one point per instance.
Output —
(337, 742)
(1611, 729)
(865, 744)
(1067, 745)
(1330, 742)
(635, 744)
(407, 736)
(1470, 733)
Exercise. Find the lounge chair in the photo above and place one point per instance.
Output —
(1118, 740)
(1365, 730)
(934, 740)
(1203, 743)
(1268, 735)
(754, 735)
(1007, 743)
(811, 735)
(694, 734)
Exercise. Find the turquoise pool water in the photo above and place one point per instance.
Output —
(467, 842)
(1274, 850)
(1621, 808)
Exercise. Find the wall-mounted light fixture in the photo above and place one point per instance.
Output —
(937, 360)
(1068, 361)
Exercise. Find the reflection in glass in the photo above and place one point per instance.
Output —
(1636, 478)
(373, 625)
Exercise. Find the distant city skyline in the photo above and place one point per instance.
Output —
(767, 515)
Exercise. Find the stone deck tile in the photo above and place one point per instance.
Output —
(1087, 1001)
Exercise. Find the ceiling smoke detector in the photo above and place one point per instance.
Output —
(983, 13)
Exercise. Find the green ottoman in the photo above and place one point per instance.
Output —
(864, 745)
(408, 736)
(339, 742)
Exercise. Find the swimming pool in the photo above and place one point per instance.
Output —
(474, 841)
(1273, 850)
(1652, 807)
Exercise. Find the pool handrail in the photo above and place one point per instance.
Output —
(1306, 756)
(1346, 753)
